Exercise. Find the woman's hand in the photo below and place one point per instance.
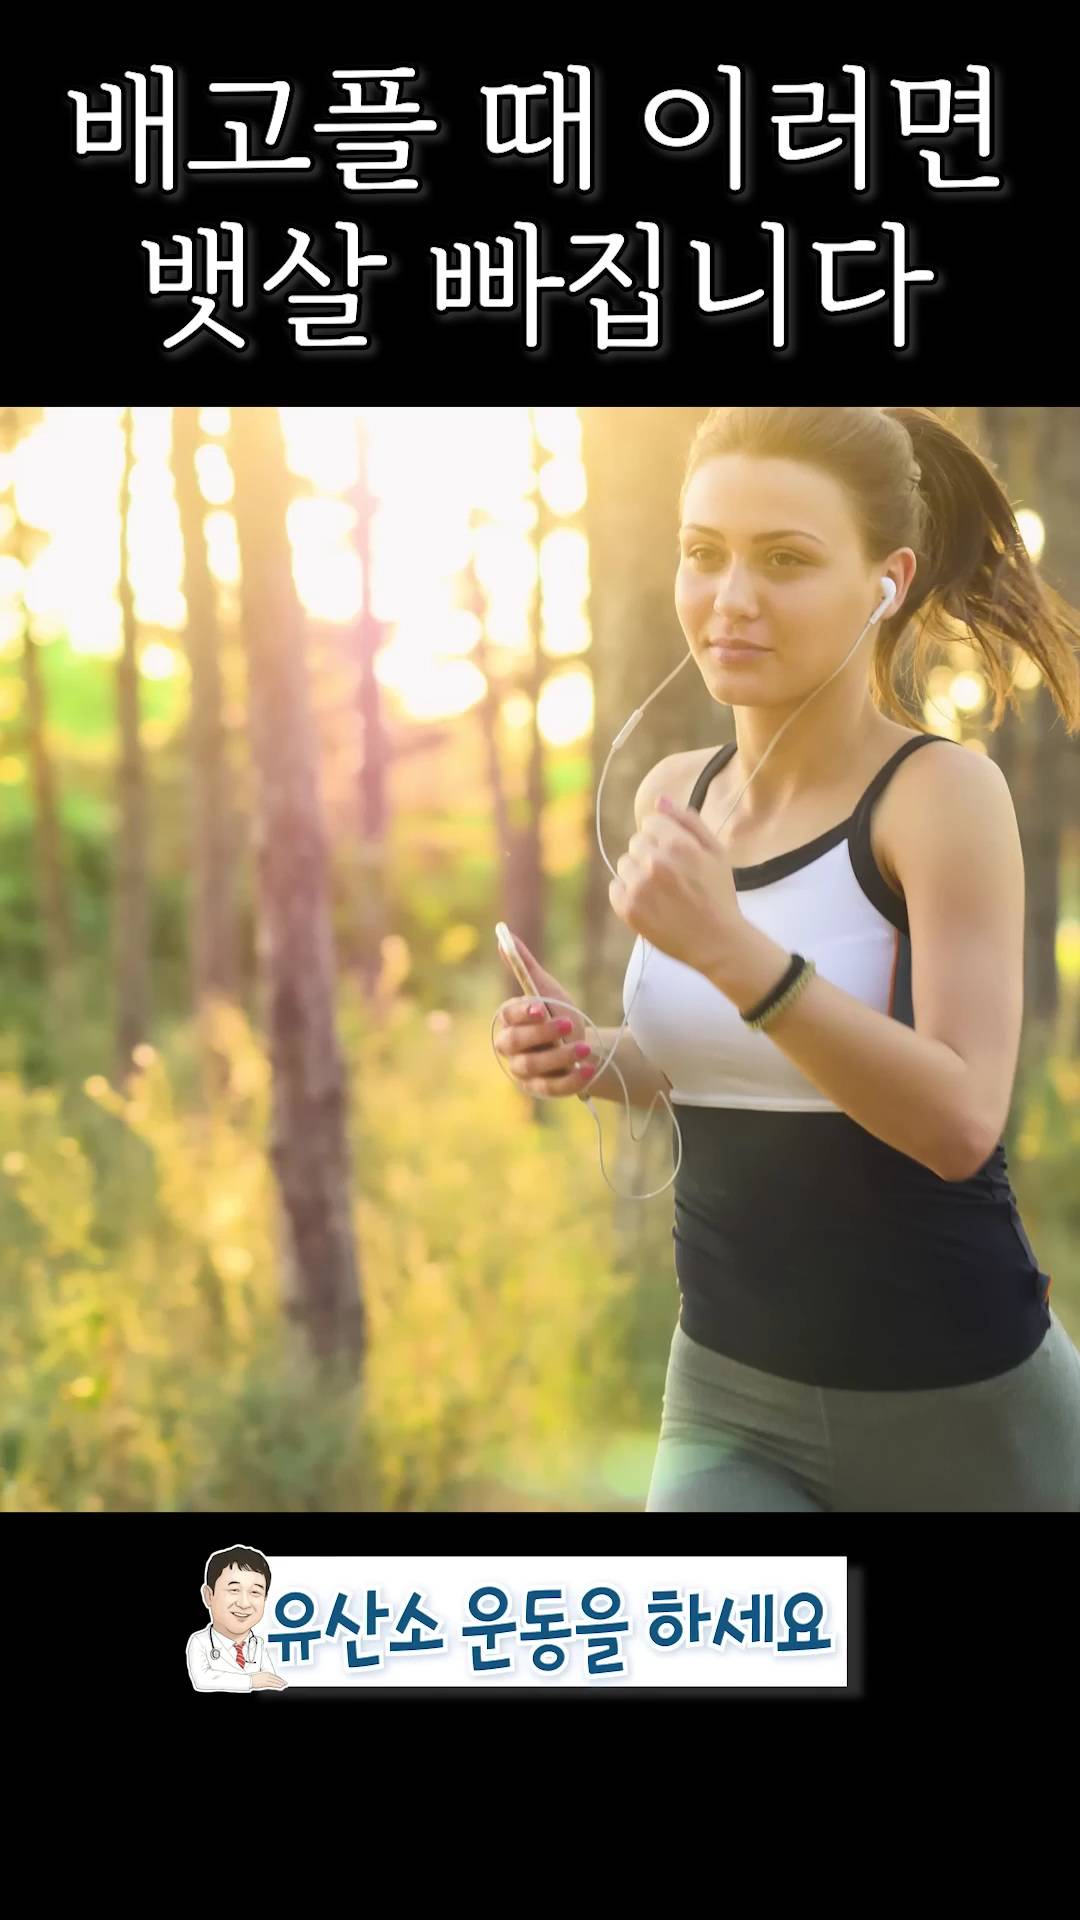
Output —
(674, 887)
(546, 1053)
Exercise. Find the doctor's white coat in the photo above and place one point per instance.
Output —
(225, 1675)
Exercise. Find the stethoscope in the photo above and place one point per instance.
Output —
(248, 1655)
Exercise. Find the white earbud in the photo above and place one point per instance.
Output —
(888, 595)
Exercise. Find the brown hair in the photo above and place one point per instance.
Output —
(914, 481)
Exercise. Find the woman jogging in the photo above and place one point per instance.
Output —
(834, 991)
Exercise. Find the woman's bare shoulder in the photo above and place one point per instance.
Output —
(675, 774)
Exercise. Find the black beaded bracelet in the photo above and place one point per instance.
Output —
(795, 971)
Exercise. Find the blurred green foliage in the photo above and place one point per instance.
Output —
(516, 1346)
(142, 1358)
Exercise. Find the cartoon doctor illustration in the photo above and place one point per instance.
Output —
(228, 1656)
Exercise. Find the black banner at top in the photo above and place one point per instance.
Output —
(423, 225)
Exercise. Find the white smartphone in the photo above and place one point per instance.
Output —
(508, 946)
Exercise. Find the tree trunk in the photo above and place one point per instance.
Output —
(1037, 453)
(132, 903)
(48, 840)
(309, 1146)
(529, 887)
(214, 941)
(487, 714)
(376, 755)
(1056, 494)
(56, 917)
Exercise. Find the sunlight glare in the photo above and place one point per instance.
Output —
(448, 486)
(214, 474)
(159, 662)
(565, 708)
(1032, 532)
(969, 692)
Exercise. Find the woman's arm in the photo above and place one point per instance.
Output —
(643, 1080)
(939, 1093)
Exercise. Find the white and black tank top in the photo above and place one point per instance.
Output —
(804, 1245)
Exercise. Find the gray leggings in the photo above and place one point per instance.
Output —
(734, 1440)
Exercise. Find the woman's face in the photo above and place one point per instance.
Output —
(770, 554)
